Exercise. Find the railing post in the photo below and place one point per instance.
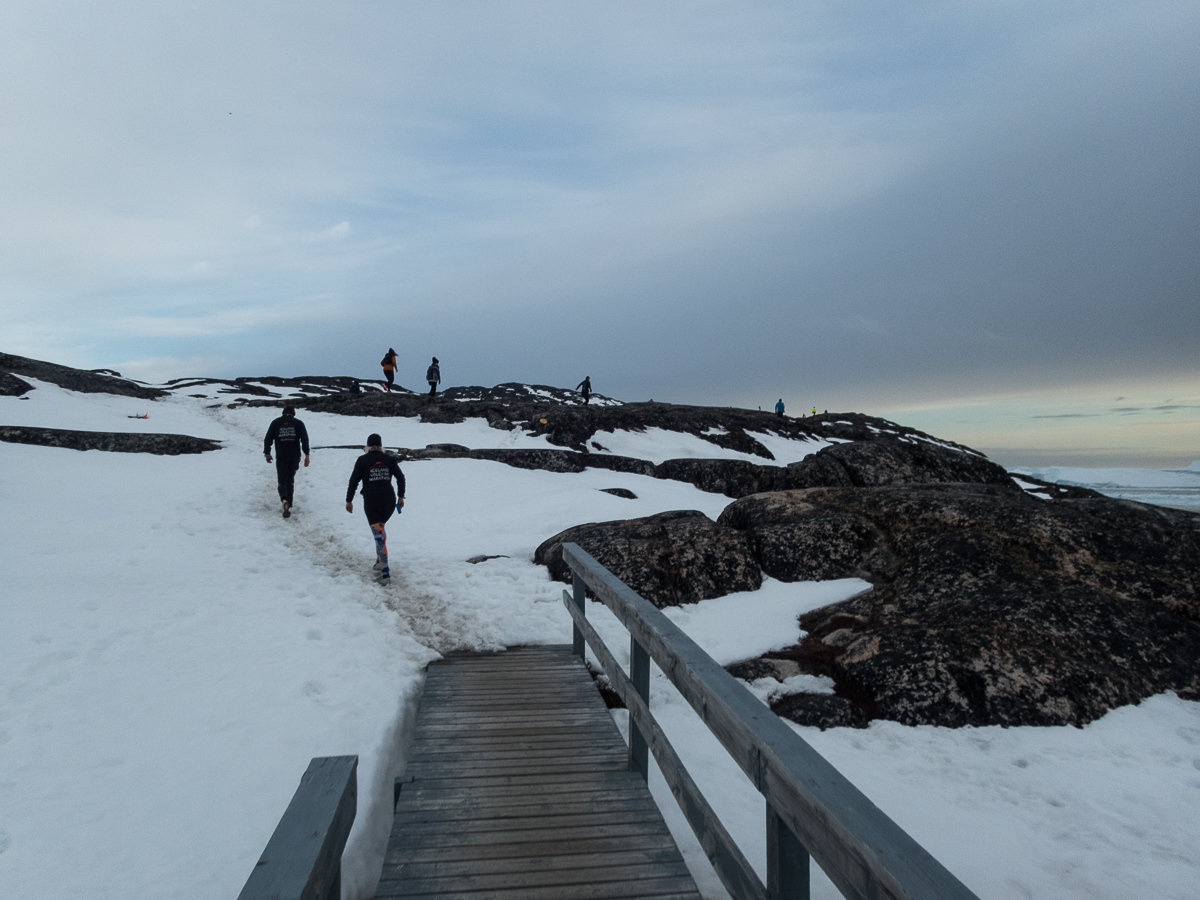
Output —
(639, 677)
(303, 858)
(580, 596)
(787, 861)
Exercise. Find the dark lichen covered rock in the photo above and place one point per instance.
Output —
(12, 386)
(117, 442)
(819, 711)
(98, 382)
(989, 606)
(670, 558)
(904, 460)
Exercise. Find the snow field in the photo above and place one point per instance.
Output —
(173, 653)
(168, 672)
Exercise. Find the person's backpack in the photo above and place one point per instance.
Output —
(385, 361)
(433, 374)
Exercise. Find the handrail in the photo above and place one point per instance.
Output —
(303, 858)
(811, 807)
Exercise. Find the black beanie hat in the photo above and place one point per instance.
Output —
(374, 440)
(435, 359)
(289, 410)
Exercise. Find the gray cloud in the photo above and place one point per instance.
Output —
(706, 205)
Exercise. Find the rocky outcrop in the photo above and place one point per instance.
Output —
(118, 442)
(877, 462)
(670, 558)
(902, 460)
(98, 382)
(559, 416)
(990, 606)
(12, 386)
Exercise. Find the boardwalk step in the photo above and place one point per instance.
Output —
(517, 786)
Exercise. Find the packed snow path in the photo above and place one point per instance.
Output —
(518, 785)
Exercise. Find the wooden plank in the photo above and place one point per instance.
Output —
(483, 732)
(503, 771)
(497, 682)
(503, 807)
(610, 858)
(303, 858)
(442, 812)
(558, 740)
(484, 806)
(516, 699)
(483, 854)
(525, 781)
(451, 790)
(532, 757)
(405, 824)
(559, 715)
(532, 878)
(681, 886)
(861, 849)
(603, 757)
(421, 839)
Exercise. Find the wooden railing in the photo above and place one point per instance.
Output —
(811, 807)
(303, 859)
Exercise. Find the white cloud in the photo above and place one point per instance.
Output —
(159, 369)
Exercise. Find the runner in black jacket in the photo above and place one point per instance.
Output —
(289, 436)
(376, 469)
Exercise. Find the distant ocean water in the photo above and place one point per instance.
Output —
(1162, 487)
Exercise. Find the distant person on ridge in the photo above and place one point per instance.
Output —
(585, 387)
(814, 410)
(779, 408)
(434, 376)
(289, 436)
(376, 469)
(389, 367)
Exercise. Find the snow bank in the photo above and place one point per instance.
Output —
(659, 445)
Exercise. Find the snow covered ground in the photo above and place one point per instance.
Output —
(173, 653)
(1163, 487)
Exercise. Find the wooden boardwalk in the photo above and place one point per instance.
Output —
(517, 786)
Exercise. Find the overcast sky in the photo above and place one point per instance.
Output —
(923, 209)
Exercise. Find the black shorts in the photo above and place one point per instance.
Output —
(379, 509)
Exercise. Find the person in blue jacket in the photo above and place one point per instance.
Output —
(779, 408)
(375, 470)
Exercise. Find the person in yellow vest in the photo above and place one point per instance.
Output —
(389, 367)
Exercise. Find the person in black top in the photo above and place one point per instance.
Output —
(375, 470)
(585, 388)
(434, 376)
(290, 437)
